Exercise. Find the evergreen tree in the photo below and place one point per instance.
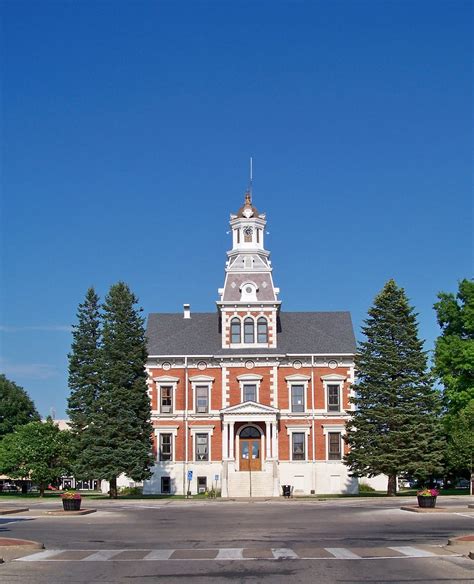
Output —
(16, 407)
(395, 428)
(120, 435)
(84, 378)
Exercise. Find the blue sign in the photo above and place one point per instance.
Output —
(190, 475)
(216, 477)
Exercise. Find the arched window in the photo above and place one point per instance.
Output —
(249, 331)
(250, 432)
(235, 330)
(262, 330)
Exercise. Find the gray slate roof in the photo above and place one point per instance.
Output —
(298, 332)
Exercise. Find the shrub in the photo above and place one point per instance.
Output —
(131, 491)
(365, 488)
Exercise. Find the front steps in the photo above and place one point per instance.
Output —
(246, 484)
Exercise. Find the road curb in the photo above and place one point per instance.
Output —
(463, 544)
(62, 513)
(11, 548)
(11, 511)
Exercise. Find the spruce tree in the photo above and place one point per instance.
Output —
(120, 433)
(395, 428)
(84, 379)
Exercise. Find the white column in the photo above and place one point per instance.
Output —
(232, 440)
(225, 441)
(274, 440)
(268, 440)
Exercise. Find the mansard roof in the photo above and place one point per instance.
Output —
(328, 333)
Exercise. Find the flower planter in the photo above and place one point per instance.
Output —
(71, 504)
(426, 502)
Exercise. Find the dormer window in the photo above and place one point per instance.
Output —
(235, 332)
(262, 330)
(248, 290)
(249, 330)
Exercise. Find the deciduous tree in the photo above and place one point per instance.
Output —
(37, 451)
(16, 407)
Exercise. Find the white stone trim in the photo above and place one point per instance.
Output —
(173, 430)
(209, 430)
(249, 379)
(301, 429)
(303, 380)
(166, 380)
(202, 380)
(334, 380)
(338, 429)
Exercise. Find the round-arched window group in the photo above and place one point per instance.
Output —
(251, 332)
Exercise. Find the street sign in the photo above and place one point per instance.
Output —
(190, 475)
(216, 477)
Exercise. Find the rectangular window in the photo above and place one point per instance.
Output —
(202, 446)
(166, 485)
(334, 450)
(334, 404)
(250, 392)
(202, 399)
(297, 398)
(298, 446)
(202, 484)
(166, 451)
(166, 399)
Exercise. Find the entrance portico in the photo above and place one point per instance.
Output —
(240, 444)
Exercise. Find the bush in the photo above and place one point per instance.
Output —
(365, 488)
(131, 491)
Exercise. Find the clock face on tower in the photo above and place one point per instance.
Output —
(248, 233)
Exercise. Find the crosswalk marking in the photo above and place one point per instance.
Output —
(102, 556)
(284, 554)
(343, 554)
(230, 554)
(233, 554)
(159, 555)
(413, 552)
(40, 556)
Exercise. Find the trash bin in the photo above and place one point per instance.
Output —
(286, 490)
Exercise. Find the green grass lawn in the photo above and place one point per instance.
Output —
(54, 495)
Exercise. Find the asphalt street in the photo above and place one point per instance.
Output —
(344, 541)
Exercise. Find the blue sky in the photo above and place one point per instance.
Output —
(126, 133)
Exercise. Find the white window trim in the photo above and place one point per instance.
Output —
(290, 430)
(334, 379)
(296, 379)
(209, 430)
(243, 344)
(247, 379)
(164, 380)
(202, 380)
(341, 429)
(173, 430)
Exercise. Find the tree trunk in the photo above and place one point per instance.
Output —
(392, 485)
(41, 489)
(113, 488)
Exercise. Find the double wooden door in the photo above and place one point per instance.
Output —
(250, 454)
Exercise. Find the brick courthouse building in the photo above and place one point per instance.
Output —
(249, 397)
